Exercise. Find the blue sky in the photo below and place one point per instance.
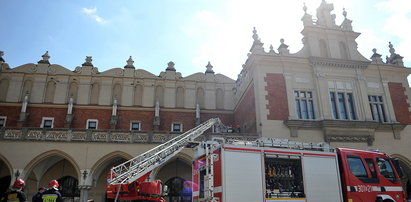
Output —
(189, 33)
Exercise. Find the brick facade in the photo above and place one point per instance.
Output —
(276, 96)
(245, 113)
(399, 101)
(81, 115)
(12, 113)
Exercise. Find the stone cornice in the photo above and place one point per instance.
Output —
(331, 62)
(345, 131)
(105, 136)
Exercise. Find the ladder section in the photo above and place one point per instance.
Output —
(285, 143)
(135, 168)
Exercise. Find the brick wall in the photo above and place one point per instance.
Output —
(276, 96)
(80, 116)
(12, 113)
(399, 101)
(245, 113)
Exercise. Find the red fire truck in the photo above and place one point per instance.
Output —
(262, 170)
(282, 170)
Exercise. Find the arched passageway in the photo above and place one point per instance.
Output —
(53, 165)
(99, 174)
(174, 174)
(5, 177)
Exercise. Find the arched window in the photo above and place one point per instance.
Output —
(180, 97)
(117, 92)
(73, 91)
(200, 97)
(219, 95)
(138, 95)
(28, 84)
(4, 87)
(95, 91)
(159, 95)
(343, 50)
(323, 48)
(68, 187)
(50, 89)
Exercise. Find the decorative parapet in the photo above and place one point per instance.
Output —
(345, 131)
(330, 62)
(117, 136)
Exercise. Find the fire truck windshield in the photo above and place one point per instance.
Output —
(357, 167)
(386, 169)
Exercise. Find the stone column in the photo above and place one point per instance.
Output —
(85, 184)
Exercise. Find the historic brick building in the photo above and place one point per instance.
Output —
(74, 125)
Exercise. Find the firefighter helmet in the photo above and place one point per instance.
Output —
(54, 183)
(19, 184)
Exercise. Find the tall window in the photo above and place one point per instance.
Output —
(117, 93)
(180, 97)
(92, 124)
(73, 91)
(95, 90)
(50, 89)
(200, 97)
(4, 86)
(219, 98)
(3, 121)
(28, 84)
(47, 122)
(159, 95)
(343, 50)
(323, 48)
(304, 104)
(138, 95)
(377, 108)
(342, 105)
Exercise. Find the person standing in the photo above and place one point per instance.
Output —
(52, 194)
(16, 193)
(37, 197)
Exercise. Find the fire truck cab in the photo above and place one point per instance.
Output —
(369, 176)
(282, 170)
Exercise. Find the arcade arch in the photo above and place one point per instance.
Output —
(51, 165)
(405, 164)
(99, 173)
(5, 174)
(174, 174)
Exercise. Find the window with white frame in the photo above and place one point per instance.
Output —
(304, 104)
(377, 108)
(47, 122)
(3, 120)
(176, 127)
(92, 123)
(342, 104)
(135, 125)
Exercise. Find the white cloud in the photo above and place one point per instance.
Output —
(398, 24)
(92, 12)
(227, 36)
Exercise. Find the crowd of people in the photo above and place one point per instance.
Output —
(16, 193)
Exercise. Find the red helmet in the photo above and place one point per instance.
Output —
(54, 183)
(19, 184)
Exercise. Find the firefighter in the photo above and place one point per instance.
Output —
(52, 194)
(37, 197)
(16, 193)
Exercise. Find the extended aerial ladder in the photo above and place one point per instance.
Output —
(141, 165)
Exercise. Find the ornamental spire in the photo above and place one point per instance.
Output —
(130, 63)
(45, 59)
(209, 68)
